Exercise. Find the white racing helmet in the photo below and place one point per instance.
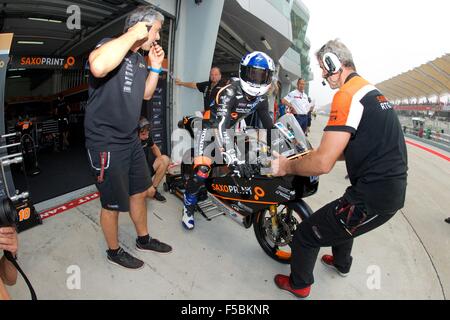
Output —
(255, 73)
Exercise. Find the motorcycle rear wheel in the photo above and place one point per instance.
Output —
(278, 247)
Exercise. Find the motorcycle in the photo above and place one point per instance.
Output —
(274, 206)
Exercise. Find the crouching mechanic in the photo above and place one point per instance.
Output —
(157, 162)
(240, 98)
(8, 273)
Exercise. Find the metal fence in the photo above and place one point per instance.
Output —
(436, 138)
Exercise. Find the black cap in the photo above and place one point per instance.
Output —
(143, 122)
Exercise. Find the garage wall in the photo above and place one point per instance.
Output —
(17, 88)
(168, 6)
(195, 41)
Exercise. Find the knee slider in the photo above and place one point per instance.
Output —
(202, 171)
(202, 166)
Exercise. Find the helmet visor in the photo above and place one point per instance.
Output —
(255, 75)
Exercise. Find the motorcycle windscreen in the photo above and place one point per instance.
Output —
(289, 139)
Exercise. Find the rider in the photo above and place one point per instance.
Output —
(241, 97)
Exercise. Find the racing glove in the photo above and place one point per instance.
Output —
(242, 169)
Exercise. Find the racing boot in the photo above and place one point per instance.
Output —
(188, 211)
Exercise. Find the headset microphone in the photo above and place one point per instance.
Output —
(329, 74)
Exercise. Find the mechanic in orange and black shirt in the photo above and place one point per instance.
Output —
(364, 131)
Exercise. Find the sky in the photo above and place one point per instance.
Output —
(386, 37)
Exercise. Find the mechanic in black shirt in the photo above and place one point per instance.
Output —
(364, 131)
(157, 162)
(234, 102)
(208, 88)
(118, 83)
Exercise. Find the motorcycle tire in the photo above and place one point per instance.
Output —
(276, 252)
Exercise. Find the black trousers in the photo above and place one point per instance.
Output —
(335, 225)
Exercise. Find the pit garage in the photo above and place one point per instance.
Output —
(46, 88)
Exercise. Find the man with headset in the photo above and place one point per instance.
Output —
(363, 130)
(118, 83)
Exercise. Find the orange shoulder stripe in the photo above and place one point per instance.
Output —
(340, 109)
(354, 85)
(342, 100)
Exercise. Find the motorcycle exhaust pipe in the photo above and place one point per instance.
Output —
(243, 221)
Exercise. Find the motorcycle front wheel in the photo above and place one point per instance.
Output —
(275, 235)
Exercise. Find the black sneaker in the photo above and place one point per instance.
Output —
(154, 245)
(126, 260)
(158, 196)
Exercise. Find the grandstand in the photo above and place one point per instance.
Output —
(423, 92)
(423, 82)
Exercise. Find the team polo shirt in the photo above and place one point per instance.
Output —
(114, 105)
(209, 92)
(299, 101)
(375, 156)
